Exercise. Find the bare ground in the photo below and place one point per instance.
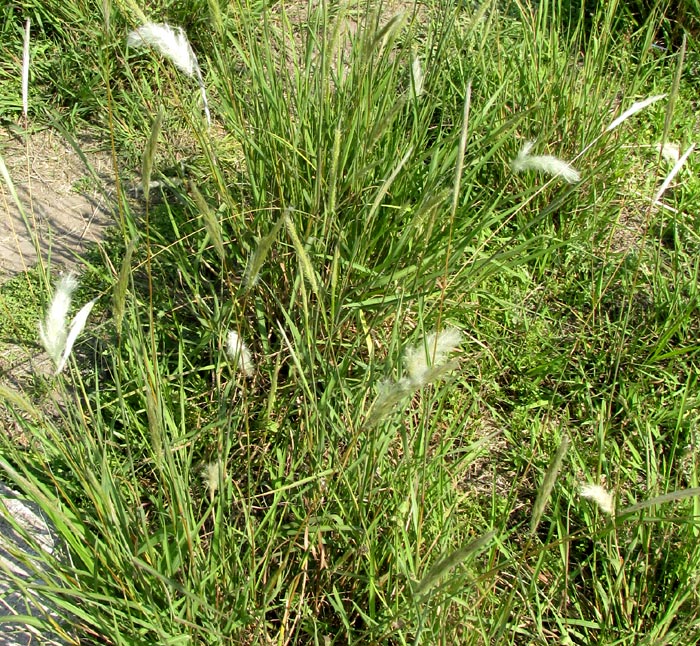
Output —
(63, 203)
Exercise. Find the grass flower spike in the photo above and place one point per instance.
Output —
(637, 106)
(212, 474)
(429, 356)
(173, 44)
(56, 338)
(52, 331)
(425, 363)
(25, 69)
(544, 163)
(238, 353)
(600, 496)
(76, 327)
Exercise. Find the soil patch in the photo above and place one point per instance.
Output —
(65, 204)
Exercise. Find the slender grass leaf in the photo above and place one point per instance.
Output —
(149, 154)
(445, 565)
(119, 295)
(550, 477)
(257, 260)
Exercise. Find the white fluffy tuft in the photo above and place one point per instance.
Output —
(544, 163)
(171, 43)
(599, 495)
(238, 353)
(54, 334)
(430, 354)
(52, 331)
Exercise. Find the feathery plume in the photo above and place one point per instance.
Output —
(56, 338)
(52, 331)
(599, 495)
(669, 151)
(238, 353)
(425, 358)
(211, 476)
(25, 70)
(425, 364)
(76, 327)
(173, 44)
(544, 163)
(633, 109)
(674, 171)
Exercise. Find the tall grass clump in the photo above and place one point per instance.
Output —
(358, 362)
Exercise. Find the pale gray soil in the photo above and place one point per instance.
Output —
(62, 203)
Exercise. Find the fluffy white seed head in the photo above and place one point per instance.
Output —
(431, 354)
(599, 495)
(425, 364)
(53, 331)
(171, 43)
(211, 476)
(238, 353)
(669, 151)
(544, 163)
(633, 109)
(76, 327)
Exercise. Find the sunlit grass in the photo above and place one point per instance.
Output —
(351, 371)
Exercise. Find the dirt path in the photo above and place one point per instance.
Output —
(61, 201)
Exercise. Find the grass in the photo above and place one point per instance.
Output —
(334, 217)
